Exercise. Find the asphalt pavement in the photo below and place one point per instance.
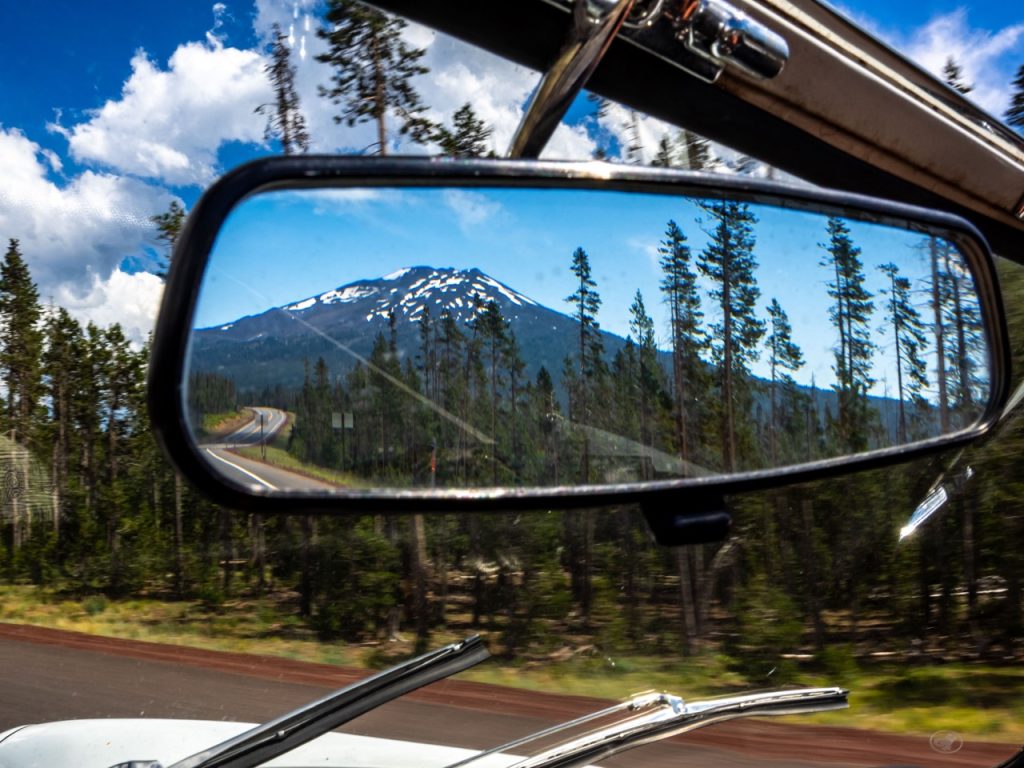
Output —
(265, 424)
(48, 675)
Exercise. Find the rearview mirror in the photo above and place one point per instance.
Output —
(387, 334)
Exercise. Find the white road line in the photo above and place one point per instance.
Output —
(243, 470)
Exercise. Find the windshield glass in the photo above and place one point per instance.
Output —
(124, 593)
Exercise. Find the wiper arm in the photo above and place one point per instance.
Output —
(267, 741)
(662, 716)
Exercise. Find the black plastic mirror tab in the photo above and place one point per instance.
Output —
(703, 522)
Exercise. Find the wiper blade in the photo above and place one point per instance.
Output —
(662, 716)
(267, 741)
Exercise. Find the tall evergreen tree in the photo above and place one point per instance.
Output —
(965, 342)
(168, 227)
(854, 350)
(665, 157)
(285, 120)
(679, 288)
(937, 248)
(909, 341)
(586, 302)
(491, 329)
(953, 74)
(728, 261)
(469, 136)
(373, 71)
(62, 384)
(697, 150)
(21, 343)
(784, 358)
(647, 384)
(1015, 112)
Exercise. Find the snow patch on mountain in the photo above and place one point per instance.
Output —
(349, 293)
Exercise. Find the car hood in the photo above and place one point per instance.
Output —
(104, 743)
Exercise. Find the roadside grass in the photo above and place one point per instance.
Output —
(279, 457)
(982, 701)
(220, 424)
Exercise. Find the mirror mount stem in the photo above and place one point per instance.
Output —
(594, 26)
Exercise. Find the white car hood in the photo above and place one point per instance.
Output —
(104, 743)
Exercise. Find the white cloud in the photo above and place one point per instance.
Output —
(471, 209)
(626, 125)
(982, 53)
(169, 123)
(988, 57)
(129, 299)
(77, 234)
(459, 73)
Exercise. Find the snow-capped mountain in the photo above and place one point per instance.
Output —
(341, 324)
(409, 291)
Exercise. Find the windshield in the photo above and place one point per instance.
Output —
(124, 593)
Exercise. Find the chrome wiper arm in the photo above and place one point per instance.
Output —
(668, 716)
(267, 741)
(635, 704)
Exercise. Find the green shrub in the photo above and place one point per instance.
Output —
(94, 605)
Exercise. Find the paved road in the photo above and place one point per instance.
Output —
(49, 675)
(265, 424)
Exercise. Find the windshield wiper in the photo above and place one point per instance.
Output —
(267, 741)
(652, 717)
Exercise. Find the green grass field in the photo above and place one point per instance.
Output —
(980, 700)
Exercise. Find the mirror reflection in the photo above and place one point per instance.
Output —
(449, 338)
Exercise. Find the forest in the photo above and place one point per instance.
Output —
(91, 506)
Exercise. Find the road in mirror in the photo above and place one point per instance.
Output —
(451, 338)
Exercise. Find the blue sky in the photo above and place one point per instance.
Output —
(111, 110)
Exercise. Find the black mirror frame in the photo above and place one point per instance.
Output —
(188, 264)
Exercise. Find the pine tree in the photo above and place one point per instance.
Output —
(665, 156)
(168, 227)
(122, 376)
(962, 335)
(647, 383)
(588, 375)
(679, 288)
(285, 120)
(784, 358)
(373, 71)
(62, 380)
(936, 256)
(909, 340)
(469, 136)
(697, 150)
(728, 261)
(21, 343)
(851, 315)
(633, 152)
(1015, 112)
(491, 328)
(590, 359)
(953, 74)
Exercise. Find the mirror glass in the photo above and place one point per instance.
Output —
(400, 338)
